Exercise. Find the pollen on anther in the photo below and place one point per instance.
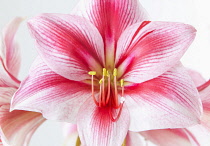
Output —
(121, 82)
(92, 73)
(104, 72)
(107, 73)
(115, 72)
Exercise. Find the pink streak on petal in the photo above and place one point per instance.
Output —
(168, 137)
(70, 45)
(156, 47)
(96, 128)
(11, 51)
(51, 94)
(111, 17)
(168, 101)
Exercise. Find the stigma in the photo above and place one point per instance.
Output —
(109, 85)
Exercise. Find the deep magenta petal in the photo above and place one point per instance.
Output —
(148, 49)
(111, 17)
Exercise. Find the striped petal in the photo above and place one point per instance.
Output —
(17, 127)
(70, 45)
(96, 128)
(168, 101)
(111, 17)
(147, 50)
(11, 51)
(51, 94)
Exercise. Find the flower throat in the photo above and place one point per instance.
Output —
(106, 83)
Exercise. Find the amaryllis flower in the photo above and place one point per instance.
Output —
(16, 127)
(108, 70)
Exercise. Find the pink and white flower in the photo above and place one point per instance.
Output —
(16, 127)
(108, 70)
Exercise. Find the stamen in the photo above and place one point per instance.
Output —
(118, 115)
(115, 103)
(109, 86)
(115, 72)
(122, 86)
(104, 72)
(115, 89)
(92, 73)
(103, 86)
(100, 94)
(121, 82)
(100, 81)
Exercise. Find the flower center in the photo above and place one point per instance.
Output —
(107, 82)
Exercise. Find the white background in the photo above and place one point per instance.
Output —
(194, 12)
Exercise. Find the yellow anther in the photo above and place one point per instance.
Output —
(100, 81)
(121, 82)
(107, 73)
(104, 71)
(115, 72)
(92, 73)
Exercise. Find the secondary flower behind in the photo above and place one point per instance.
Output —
(16, 127)
(110, 70)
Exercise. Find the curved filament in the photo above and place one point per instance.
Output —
(114, 119)
(93, 96)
